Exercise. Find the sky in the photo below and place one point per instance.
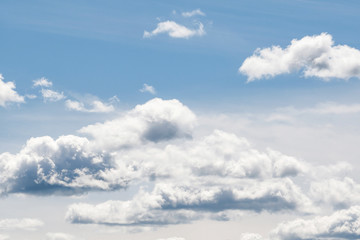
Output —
(179, 120)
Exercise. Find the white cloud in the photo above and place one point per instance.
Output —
(42, 82)
(193, 13)
(30, 96)
(8, 93)
(59, 236)
(251, 236)
(172, 238)
(342, 224)
(20, 224)
(96, 106)
(175, 30)
(316, 56)
(156, 120)
(52, 96)
(148, 88)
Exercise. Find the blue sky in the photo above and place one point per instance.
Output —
(159, 119)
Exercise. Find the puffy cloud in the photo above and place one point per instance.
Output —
(42, 82)
(316, 56)
(62, 166)
(193, 13)
(20, 224)
(8, 93)
(154, 121)
(175, 30)
(148, 88)
(96, 106)
(339, 193)
(52, 96)
(344, 224)
(59, 236)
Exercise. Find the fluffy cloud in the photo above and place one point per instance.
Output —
(96, 106)
(148, 88)
(59, 236)
(52, 96)
(20, 224)
(193, 13)
(42, 82)
(8, 94)
(175, 30)
(156, 120)
(344, 224)
(316, 56)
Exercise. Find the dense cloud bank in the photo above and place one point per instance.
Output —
(191, 178)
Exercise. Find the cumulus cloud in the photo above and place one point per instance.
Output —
(59, 236)
(8, 93)
(154, 121)
(148, 88)
(342, 224)
(316, 56)
(175, 30)
(20, 224)
(96, 106)
(42, 82)
(193, 13)
(52, 96)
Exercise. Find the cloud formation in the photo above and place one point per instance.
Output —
(196, 12)
(175, 30)
(20, 224)
(96, 106)
(59, 236)
(316, 56)
(42, 82)
(148, 88)
(342, 224)
(8, 93)
(52, 96)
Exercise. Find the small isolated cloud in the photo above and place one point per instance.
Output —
(59, 236)
(95, 106)
(31, 96)
(148, 88)
(20, 224)
(342, 224)
(52, 96)
(193, 13)
(8, 93)
(42, 82)
(315, 56)
(175, 30)
(251, 236)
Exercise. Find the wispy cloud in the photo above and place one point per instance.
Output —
(95, 106)
(8, 93)
(52, 96)
(59, 236)
(316, 56)
(42, 82)
(20, 224)
(175, 30)
(193, 13)
(148, 88)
